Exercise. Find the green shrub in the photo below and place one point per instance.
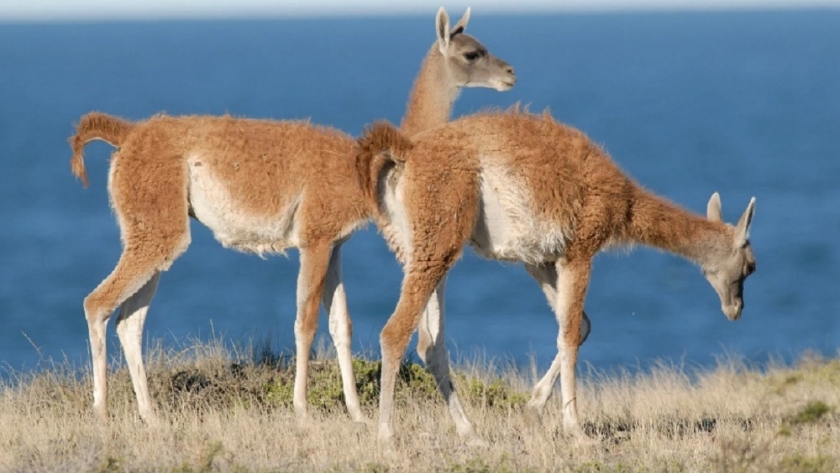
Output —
(810, 413)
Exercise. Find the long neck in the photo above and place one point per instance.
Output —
(431, 98)
(655, 222)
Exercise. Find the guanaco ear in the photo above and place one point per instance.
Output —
(442, 28)
(713, 208)
(461, 25)
(742, 230)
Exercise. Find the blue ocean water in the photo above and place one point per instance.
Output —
(744, 103)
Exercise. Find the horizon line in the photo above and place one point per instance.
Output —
(407, 11)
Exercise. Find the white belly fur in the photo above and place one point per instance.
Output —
(233, 227)
(507, 228)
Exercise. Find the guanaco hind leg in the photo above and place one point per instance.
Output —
(417, 288)
(150, 202)
(130, 323)
(432, 350)
(131, 284)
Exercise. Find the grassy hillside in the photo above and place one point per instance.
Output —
(231, 411)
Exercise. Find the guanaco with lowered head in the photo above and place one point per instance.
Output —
(523, 187)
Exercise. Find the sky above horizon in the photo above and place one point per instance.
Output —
(24, 10)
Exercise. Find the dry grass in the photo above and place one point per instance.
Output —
(226, 411)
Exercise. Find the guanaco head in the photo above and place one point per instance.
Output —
(468, 61)
(731, 265)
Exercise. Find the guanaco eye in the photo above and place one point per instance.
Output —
(471, 56)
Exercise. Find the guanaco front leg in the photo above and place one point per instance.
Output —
(341, 330)
(314, 261)
(546, 276)
(571, 283)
